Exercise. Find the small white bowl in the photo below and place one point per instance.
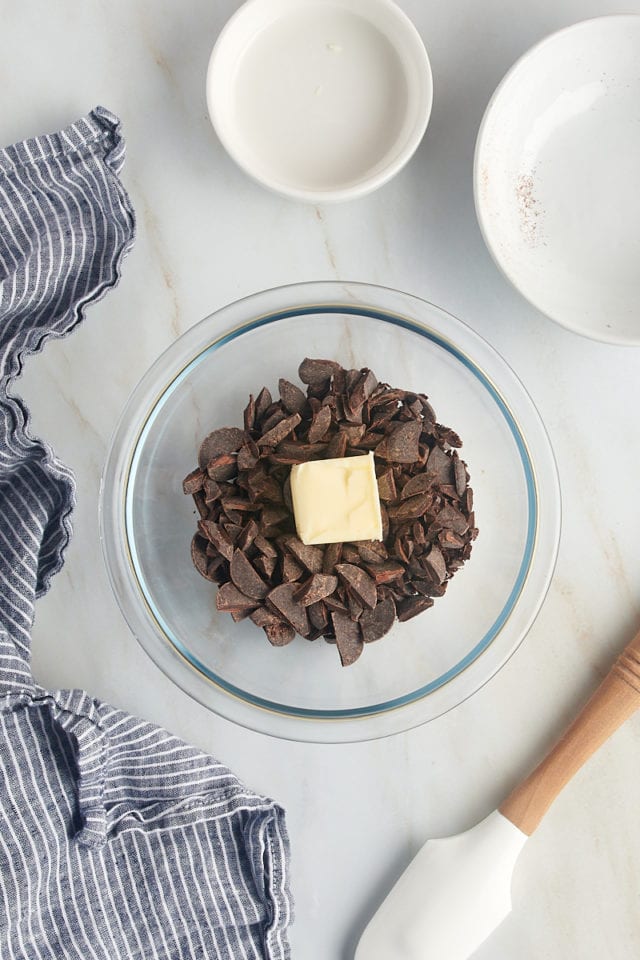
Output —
(557, 177)
(320, 100)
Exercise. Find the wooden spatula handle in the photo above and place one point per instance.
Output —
(615, 700)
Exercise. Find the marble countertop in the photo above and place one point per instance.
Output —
(206, 236)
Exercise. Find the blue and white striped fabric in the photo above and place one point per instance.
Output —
(117, 840)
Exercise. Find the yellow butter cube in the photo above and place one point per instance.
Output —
(337, 500)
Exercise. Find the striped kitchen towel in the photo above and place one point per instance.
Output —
(117, 840)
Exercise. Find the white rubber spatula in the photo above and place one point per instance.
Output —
(458, 889)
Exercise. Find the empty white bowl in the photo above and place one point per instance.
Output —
(557, 177)
(320, 100)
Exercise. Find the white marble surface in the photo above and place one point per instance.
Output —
(207, 235)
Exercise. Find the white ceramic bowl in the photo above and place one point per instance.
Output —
(557, 177)
(320, 100)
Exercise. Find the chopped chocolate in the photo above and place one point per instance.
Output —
(360, 583)
(317, 587)
(224, 440)
(348, 638)
(411, 509)
(332, 555)
(279, 633)
(282, 598)
(292, 397)
(199, 554)
(193, 481)
(420, 483)
(400, 445)
(222, 467)
(311, 557)
(412, 606)
(231, 600)
(371, 551)
(218, 537)
(317, 371)
(276, 434)
(439, 466)
(460, 474)
(349, 593)
(291, 569)
(318, 615)
(319, 425)
(375, 623)
(387, 485)
(245, 577)
(436, 565)
(386, 572)
(212, 490)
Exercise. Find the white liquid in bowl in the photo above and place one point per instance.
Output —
(320, 98)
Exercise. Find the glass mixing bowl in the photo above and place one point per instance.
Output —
(425, 666)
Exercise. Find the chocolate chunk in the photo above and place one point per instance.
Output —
(249, 416)
(460, 474)
(451, 518)
(224, 440)
(318, 615)
(294, 613)
(279, 633)
(440, 466)
(415, 485)
(362, 389)
(193, 482)
(387, 485)
(332, 555)
(317, 371)
(410, 509)
(263, 402)
(337, 446)
(450, 540)
(248, 535)
(371, 551)
(201, 505)
(401, 444)
(265, 566)
(386, 572)
(317, 587)
(291, 569)
(199, 555)
(362, 585)
(375, 623)
(292, 397)
(319, 425)
(412, 606)
(246, 458)
(230, 600)
(265, 546)
(354, 433)
(217, 536)
(436, 564)
(281, 430)
(310, 556)
(246, 579)
(222, 467)
(212, 490)
(348, 638)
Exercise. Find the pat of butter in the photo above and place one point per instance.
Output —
(336, 501)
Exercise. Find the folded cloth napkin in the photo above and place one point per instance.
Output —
(117, 840)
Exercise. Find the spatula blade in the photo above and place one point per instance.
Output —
(453, 894)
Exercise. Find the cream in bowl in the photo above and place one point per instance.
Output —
(320, 101)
